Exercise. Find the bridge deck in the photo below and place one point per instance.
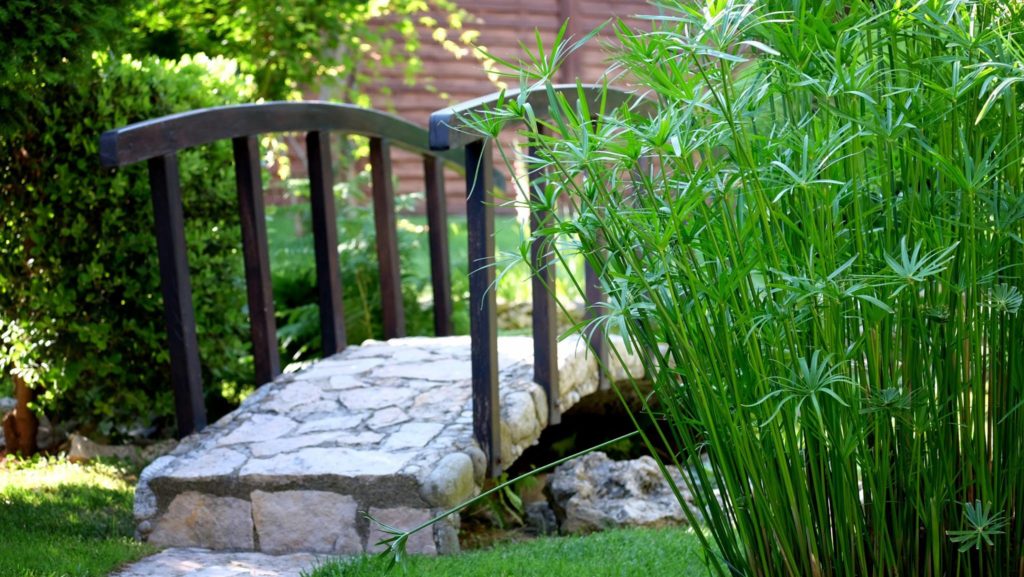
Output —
(384, 428)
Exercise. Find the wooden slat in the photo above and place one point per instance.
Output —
(393, 311)
(325, 242)
(437, 230)
(483, 321)
(598, 344)
(177, 291)
(256, 254)
(545, 315)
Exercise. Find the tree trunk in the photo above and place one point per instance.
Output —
(21, 424)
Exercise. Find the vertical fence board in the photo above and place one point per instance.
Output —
(437, 225)
(387, 239)
(483, 320)
(177, 291)
(325, 242)
(262, 326)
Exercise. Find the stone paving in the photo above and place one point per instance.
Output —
(383, 428)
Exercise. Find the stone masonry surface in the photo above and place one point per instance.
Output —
(384, 428)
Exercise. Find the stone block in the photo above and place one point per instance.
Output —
(308, 521)
(404, 518)
(199, 520)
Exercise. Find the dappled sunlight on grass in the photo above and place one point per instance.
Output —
(60, 519)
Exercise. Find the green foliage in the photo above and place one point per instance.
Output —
(62, 519)
(78, 274)
(339, 46)
(818, 209)
(609, 554)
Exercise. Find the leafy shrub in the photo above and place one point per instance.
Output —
(819, 211)
(78, 273)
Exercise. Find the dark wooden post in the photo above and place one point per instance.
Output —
(545, 316)
(256, 254)
(437, 229)
(186, 377)
(387, 239)
(483, 320)
(598, 343)
(325, 242)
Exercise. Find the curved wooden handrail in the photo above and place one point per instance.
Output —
(449, 130)
(169, 134)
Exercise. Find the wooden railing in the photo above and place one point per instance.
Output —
(450, 130)
(158, 142)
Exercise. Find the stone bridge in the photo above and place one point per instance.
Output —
(385, 428)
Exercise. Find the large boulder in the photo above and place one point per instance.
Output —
(594, 492)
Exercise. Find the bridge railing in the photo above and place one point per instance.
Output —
(158, 141)
(451, 129)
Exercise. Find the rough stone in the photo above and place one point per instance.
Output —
(440, 370)
(195, 519)
(450, 482)
(412, 435)
(259, 427)
(593, 493)
(344, 382)
(387, 417)
(145, 500)
(341, 461)
(287, 398)
(207, 464)
(194, 562)
(334, 423)
(268, 448)
(376, 397)
(404, 518)
(313, 521)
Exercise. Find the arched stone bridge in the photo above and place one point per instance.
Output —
(384, 428)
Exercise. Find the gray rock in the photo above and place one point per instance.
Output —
(195, 519)
(334, 423)
(403, 518)
(540, 518)
(593, 492)
(450, 482)
(311, 521)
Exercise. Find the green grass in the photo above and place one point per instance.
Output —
(64, 520)
(624, 552)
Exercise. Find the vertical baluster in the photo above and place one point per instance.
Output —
(437, 225)
(325, 242)
(483, 320)
(257, 259)
(545, 325)
(598, 342)
(387, 239)
(177, 291)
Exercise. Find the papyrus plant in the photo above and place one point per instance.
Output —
(816, 208)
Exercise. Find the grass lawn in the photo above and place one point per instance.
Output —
(620, 553)
(58, 519)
